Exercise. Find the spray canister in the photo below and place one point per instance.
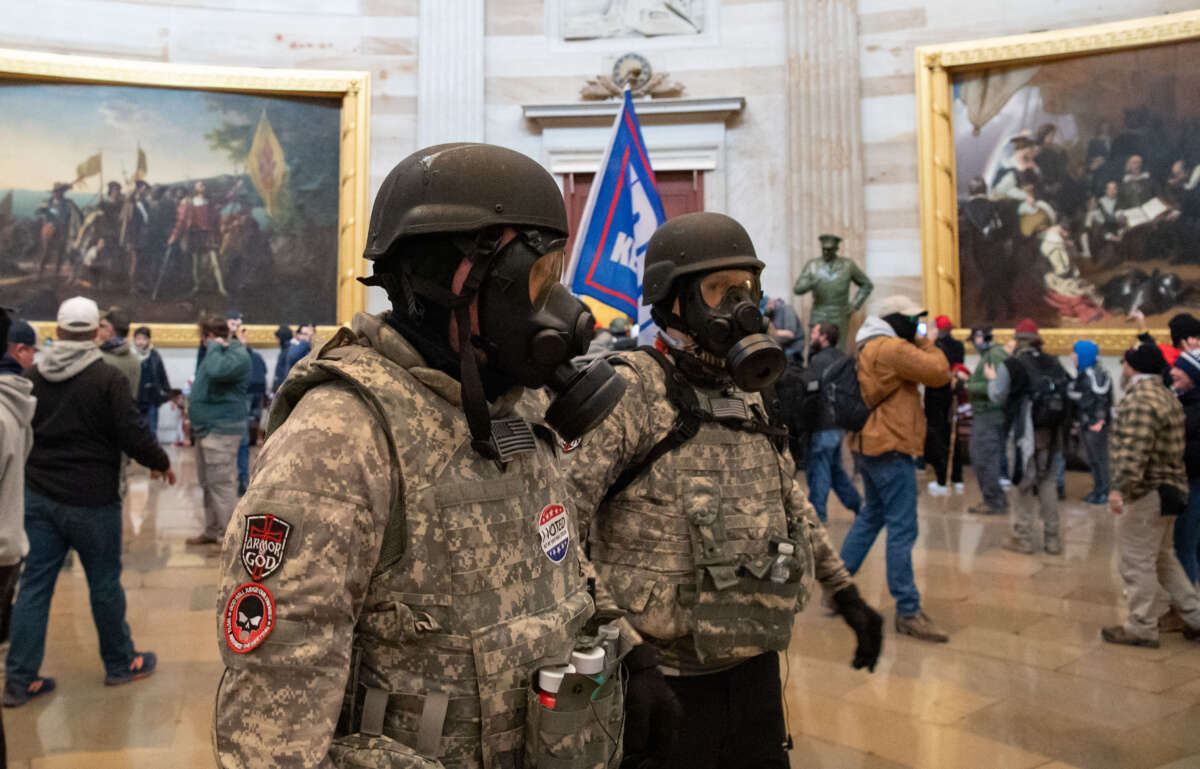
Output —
(589, 662)
(781, 569)
(610, 641)
(549, 679)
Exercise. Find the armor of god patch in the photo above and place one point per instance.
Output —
(249, 617)
(263, 545)
(568, 446)
(555, 534)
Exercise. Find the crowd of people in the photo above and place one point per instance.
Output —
(461, 496)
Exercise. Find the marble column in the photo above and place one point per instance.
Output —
(824, 138)
(450, 104)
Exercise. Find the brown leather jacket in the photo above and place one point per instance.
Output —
(889, 370)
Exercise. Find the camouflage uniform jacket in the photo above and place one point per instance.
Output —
(681, 550)
(400, 547)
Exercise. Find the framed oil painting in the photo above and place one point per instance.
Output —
(177, 191)
(1060, 178)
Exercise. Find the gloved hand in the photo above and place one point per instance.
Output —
(652, 712)
(866, 624)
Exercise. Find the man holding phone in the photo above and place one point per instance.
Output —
(892, 360)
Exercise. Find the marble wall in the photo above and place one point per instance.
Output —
(889, 31)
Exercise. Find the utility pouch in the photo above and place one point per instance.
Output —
(582, 731)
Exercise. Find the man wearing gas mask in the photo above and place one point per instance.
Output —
(408, 530)
(697, 531)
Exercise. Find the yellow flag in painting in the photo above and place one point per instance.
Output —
(140, 172)
(89, 167)
(266, 166)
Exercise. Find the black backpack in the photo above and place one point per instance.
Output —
(841, 396)
(1048, 384)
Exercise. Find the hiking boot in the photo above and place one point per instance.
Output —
(920, 627)
(1171, 622)
(983, 509)
(1018, 545)
(142, 666)
(201, 539)
(1117, 634)
(1052, 545)
(16, 696)
(938, 490)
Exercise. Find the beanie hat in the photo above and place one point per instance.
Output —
(1189, 363)
(1182, 326)
(943, 323)
(1027, 326)
(1146, 358)
(1086, 351)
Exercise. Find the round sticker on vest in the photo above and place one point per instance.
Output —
(556, 536)
(249, 617)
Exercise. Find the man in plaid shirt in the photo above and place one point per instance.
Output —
(1149, 488)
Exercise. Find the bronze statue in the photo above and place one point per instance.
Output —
(828, 278)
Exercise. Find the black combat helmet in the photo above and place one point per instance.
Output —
(694, 243)
(463, 187)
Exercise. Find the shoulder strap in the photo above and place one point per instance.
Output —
(687, 423)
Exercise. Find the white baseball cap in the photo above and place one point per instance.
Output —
(78, 314)
(899, 304)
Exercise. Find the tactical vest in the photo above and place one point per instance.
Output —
(687, 547)
(477, 587)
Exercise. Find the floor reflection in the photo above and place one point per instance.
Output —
(1024, 682)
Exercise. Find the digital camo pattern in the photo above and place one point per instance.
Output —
(719, 498)
(469, 608)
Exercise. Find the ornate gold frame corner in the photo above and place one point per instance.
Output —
(935, 67)
(353, 88)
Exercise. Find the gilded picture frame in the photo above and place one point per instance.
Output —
(349, 90)
(936, 69)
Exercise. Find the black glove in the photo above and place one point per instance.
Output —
(652, 712)
(866, 624)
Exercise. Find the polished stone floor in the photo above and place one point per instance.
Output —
(1024, 682)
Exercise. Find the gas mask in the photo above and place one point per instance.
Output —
(531, 327)
(733, 332)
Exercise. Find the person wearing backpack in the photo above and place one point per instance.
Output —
(892, 362)
(1092, 396)
(823, 468)
(988, 429)
(1032, 387)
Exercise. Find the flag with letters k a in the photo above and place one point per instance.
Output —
(623, 210)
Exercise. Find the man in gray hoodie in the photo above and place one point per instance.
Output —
(113, 337)
(16, 439)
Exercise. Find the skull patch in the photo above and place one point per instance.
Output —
(249, 617)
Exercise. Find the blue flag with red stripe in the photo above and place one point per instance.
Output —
(623, 210)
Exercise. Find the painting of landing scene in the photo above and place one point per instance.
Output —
(168, 203)
(1078, 186)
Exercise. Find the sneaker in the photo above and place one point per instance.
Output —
(938, 490)
(959, 488)
(982, 509)
(142, 667)
(1006, 484)
(1117, 634)
(202, 539)
(920, 627)
(1018, 545)
(1052, 545)
(16, 696)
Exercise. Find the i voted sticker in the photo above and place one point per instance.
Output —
(555, 534)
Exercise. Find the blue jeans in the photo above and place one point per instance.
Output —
(150, 417)
(1187, 533)
(95, 534)
(824, 470)
(890, 485)
(243, 458)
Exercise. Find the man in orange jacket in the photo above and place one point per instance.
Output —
(892, 361)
